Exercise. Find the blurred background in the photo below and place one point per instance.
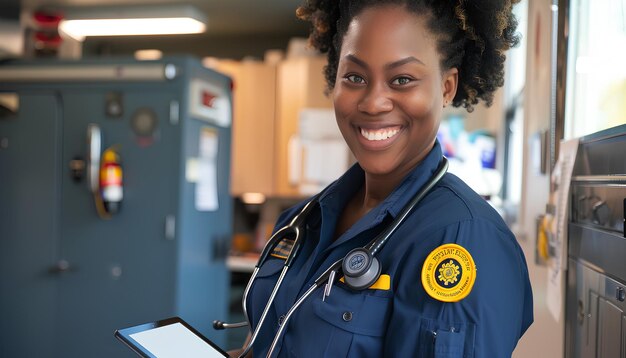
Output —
(147, 148)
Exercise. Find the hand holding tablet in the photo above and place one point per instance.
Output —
(169, 338)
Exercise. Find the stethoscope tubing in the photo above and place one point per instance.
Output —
(293, 228)
(380, 239)
(374, 247)
(318, 282)
(293, 308)
(265, 310)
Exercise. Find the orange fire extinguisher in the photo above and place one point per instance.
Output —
(111, 189)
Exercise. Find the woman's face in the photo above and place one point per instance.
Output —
(390, 90)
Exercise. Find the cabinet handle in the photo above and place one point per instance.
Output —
(62, 266)
(170, 227)
(94, 145)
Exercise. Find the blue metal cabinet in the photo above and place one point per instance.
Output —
(29, 226)
(70, 278)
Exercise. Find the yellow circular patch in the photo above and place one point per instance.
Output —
(449, 273)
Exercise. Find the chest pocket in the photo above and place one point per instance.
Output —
(356, 320)
(270, 267)
(445, 340)
(262, 288)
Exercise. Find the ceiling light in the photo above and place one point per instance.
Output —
(135, 20)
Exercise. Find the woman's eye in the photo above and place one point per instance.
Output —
(401, 81)
(355, 79)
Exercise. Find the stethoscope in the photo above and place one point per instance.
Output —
(359, 267)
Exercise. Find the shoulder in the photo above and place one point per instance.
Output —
(465, 219)
(452, 213)
(452, 202)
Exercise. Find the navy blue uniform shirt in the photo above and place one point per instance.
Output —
(398, 318)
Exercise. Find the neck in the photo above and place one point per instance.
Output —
(377, 188)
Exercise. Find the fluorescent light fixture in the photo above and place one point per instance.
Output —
(132, 20)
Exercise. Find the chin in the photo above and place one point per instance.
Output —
(376, 167)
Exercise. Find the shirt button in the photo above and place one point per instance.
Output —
(347, 316)
(281, 319)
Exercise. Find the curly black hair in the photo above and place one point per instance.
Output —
(472, 37)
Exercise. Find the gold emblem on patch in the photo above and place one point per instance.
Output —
(449, 273)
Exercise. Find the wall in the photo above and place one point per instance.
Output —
(233, 47)
(11, 38)
(545, 338)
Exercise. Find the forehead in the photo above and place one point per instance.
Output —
(390, 32)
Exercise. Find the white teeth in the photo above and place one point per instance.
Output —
(380, 134)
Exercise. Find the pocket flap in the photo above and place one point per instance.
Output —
(354, 312)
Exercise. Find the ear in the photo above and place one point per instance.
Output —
(449, 83)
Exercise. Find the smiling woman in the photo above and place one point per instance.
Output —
(392, 68)
(389, 82)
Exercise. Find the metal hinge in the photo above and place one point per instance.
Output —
(170, 227)
(174, 112)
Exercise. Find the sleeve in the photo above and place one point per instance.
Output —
(487, 322)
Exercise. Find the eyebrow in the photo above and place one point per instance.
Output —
(388, 66)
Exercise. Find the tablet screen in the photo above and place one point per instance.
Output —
(171, 338)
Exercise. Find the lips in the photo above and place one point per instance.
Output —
(380, 134)
(378, 138)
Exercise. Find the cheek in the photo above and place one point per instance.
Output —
(426, 101)
(419, 108)
(344, 104)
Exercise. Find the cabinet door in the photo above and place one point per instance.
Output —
(590, 343)
(253, 130)
(29, 233)
(583, 314)
(610, 330)
(121, 271)
(300, 85)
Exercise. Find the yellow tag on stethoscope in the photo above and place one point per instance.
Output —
(449, 273)
(383, 283)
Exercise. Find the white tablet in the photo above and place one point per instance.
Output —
(169, 338)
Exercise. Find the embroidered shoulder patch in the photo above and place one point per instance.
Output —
(449, 273)
(282, 249)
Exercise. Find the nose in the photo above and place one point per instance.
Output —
(375, 101)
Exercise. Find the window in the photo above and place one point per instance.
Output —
(596, 79)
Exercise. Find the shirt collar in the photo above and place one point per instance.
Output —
(413, 182)
(348, 184)
(338, 193)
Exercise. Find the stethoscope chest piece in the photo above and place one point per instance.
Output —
(360, 268)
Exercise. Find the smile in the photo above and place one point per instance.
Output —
(380, 134)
